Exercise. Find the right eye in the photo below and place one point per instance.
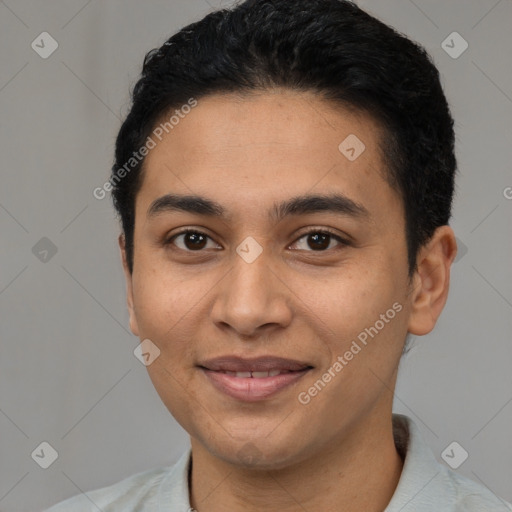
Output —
(193, 240)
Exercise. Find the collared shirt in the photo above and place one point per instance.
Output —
(425, 485)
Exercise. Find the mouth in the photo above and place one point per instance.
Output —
(251, 380)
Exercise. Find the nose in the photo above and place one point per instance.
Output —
(252, 299)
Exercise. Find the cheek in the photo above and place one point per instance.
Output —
(181, 398)
(366, 316)
(163, 309)
(351, 300)
(158, 314)
(160, 300)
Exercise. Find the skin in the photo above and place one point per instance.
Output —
(295, 300)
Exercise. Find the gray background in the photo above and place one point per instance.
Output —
(68, 375)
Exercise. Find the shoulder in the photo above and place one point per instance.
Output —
(136, 492)
(470, 496)
(425, 484)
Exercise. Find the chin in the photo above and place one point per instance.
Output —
(256, 454)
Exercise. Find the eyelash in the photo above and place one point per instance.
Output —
(322, 231)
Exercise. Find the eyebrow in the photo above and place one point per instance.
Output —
(300, 205)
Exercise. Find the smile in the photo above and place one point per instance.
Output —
(251, 380)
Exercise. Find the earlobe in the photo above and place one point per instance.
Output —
(431, 282)
(129, 287)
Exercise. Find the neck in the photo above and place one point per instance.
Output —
(359, 470)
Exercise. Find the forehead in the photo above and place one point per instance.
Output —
(247, 149)
(281, 120)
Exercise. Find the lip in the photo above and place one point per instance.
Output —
(252, 389)
(243, 364)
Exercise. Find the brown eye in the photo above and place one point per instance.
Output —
(319, 241)
(191, 240)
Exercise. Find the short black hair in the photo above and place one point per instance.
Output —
(329, 47)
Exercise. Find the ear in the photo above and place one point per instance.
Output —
(431, 281)
(129, 287)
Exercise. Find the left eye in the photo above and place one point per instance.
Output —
(319, 241)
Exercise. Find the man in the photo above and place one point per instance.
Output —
(284, 181)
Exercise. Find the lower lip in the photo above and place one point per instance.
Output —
(252, 389)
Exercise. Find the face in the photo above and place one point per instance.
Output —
(312, 296)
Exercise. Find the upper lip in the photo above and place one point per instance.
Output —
(262, 364)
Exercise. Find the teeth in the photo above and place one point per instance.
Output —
(255, 375)
(259, 375)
